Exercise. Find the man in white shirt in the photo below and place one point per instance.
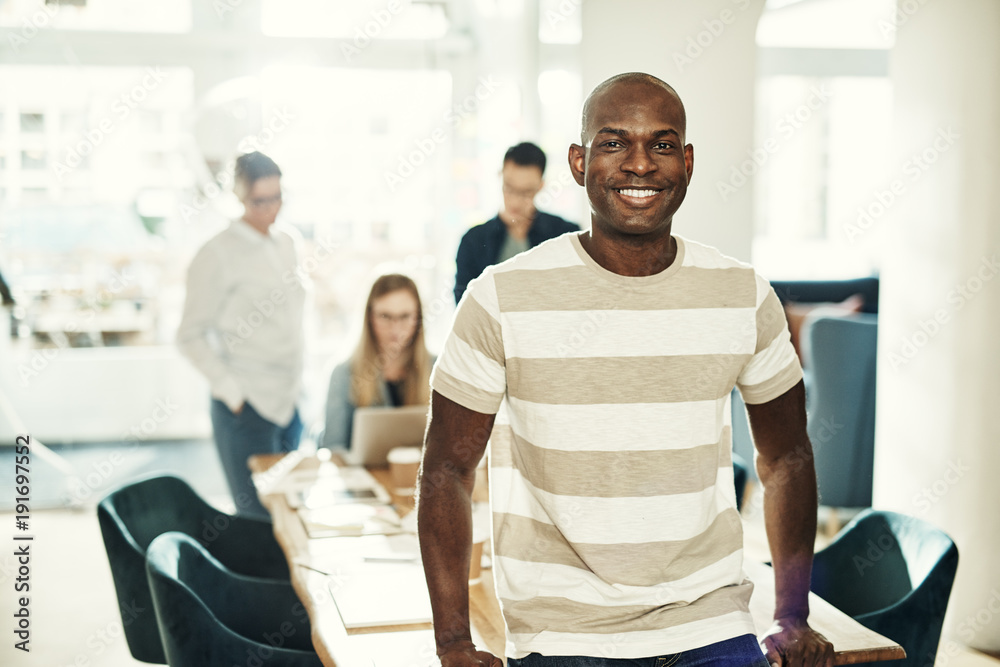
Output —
(242, 328)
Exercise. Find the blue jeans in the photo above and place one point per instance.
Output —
(240, 436)
(737, 652)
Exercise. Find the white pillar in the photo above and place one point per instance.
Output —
(707, 51)
(938, 432)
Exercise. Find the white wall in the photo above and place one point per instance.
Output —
(101, 394)
(938, 432)
(706, 51)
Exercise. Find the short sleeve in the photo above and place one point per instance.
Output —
(471, 370)
(774, 367)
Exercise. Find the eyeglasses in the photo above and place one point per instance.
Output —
(519, 194)
(265, 201)
(389, 318)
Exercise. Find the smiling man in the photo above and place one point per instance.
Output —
(615, 529)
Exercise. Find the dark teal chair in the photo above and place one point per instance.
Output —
(209, 616)
(134, 515)
(891, 573)
(828, 291)
(840, 355)
(740, 470)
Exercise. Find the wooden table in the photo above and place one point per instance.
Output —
(413, 646)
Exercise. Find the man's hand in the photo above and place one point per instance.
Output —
(466, 655)
(792, 643)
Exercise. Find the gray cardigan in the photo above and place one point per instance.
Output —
(340, 407)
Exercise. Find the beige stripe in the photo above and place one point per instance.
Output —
(641, 564)
(574, 288)
(770, 321)
(466, 395)
(479, 330)
(781, 382)
(555, 614)
(619, 474)
(501, 440)
(597, 380)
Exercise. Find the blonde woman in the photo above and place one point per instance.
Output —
(391, 365)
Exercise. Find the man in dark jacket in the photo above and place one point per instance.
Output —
(518, 226)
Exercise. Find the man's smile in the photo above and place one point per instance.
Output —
(640, 195)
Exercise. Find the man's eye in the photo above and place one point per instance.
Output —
(663, 145)
(612, 144)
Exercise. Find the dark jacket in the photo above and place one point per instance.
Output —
(481, 245)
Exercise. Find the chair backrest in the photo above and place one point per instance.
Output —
(828, 291)
(742, 440)
(130, 518)
(740, 468)
(154, 505)
(209, 615)
(893, 573)
(840, 357)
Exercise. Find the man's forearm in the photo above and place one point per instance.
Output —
(444, 524)
(790, 519)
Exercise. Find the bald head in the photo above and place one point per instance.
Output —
(609, 88)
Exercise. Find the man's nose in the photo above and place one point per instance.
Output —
(638, 161)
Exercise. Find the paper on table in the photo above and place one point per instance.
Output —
(379, 594)
(368, 586)
(330, 485)
(349, 551)
(348, 520)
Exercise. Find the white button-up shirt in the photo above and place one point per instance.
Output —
(242, 323)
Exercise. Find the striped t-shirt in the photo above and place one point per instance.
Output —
(615, 528)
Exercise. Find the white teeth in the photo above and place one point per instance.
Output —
(640, 194)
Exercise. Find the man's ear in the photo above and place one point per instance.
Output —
(578, 162)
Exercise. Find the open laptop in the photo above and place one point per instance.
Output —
(377, 430)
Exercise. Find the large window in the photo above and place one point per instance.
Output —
(824, 105)
(112, 172)
(360, 21)
(87, 149)
(119, 127)
(117, 15)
